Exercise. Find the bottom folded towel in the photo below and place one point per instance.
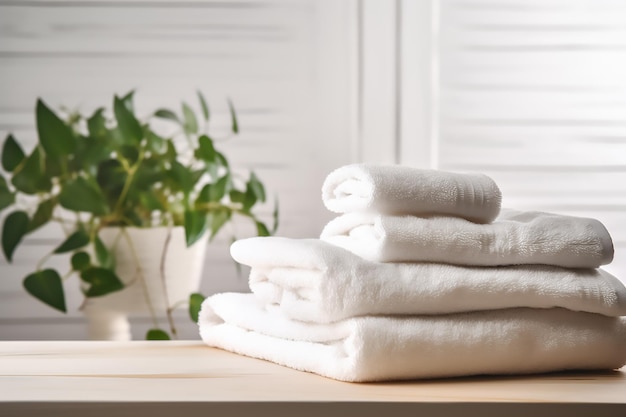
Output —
(376, 348)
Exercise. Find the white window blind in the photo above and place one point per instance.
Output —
(533, 93)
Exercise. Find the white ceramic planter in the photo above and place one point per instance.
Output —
(139, 267)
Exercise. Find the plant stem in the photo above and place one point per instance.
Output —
(127, 183)
(217, 205)
(141, 278)
(129, 180)
(49, 254)
(63, 220)
(43, 260)
(168, 309)
(178, 304)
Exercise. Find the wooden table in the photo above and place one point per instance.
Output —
(180, 378)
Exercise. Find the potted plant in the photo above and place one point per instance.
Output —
(137, 208)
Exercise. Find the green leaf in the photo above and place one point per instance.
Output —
(128, 101)
(46, 286)
(204, 196)
(56, 138)
(76, 240)
(127, 123)
(134, 219)
(116, 137)
(275, 215)
(190, 124)
(80, 261)
(195, 302)
(261, 229)
(111, 177)
(103, 281)
(167, 114)
(81, 195)
(103, 254)
(196, 175)
(14, 229)
(149, 175)
(255, 191)
(237, 196)
(217, 219)
(218, 190)
(257, 187)
(12, 154)
(170, 152)
(42, 215)
(130, 153)
(96, 124)
(151, 202)
(157, 334)
(90, 152)
(233, 116)
(222, 160)
(30, 177)
(6, 196)
(156, 143)
(249, 199)
(203, 105)
(195, 226)
(52, 168)
(182, 176)
(206, 150)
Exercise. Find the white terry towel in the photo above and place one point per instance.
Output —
(395, 189)
(515, 237)
(375, 348)
(311, 280)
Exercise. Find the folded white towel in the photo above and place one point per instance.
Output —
(398, 189)
(514, 238)
(311, 280)
(375, 348)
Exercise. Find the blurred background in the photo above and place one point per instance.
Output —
(530, 92)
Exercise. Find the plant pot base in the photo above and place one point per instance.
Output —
(159, 272)
(107, 325)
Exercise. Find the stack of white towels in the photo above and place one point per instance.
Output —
(421, 276)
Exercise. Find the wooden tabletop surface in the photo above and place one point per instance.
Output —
(164, 378)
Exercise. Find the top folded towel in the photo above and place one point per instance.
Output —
(400, 190)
